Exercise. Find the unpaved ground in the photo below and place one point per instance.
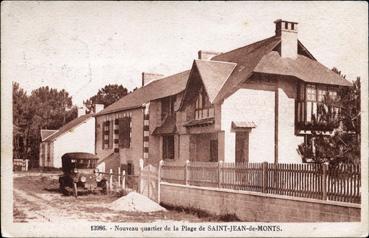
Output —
(36, 198)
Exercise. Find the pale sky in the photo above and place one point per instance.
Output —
(83, 46)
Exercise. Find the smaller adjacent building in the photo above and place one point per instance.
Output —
(77, 135)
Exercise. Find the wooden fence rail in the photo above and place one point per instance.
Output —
(339, 183)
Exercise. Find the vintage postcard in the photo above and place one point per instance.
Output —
(184, 119)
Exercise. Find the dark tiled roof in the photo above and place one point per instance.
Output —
(46, 133)
(160, 88)
(69, 126)
(201, 122)
(214, 74)
(246, 58)
(308, 70)
(168, 127)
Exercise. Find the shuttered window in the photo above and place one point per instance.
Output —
(107, 135)
(125, 132)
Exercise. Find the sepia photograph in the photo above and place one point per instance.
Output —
(177, 119)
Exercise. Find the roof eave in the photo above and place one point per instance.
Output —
(117, 110)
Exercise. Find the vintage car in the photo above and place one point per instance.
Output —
(80, 173)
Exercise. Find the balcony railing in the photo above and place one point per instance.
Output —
(204, 113)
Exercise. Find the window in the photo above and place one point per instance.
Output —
(313, 106)
(214, 150)
(48, 152)
(125, 132)
(203, 107)
(332, 93)
(130, 168)
(168, 147)
(107, 135)
(311, 92)
(167, 107)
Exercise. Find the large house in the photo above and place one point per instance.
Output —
(252, 104)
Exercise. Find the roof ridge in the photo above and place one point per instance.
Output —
(246, 46)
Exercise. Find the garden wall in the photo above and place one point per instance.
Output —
(260, 207)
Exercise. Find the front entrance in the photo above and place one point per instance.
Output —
(168, 147)
(242, 147)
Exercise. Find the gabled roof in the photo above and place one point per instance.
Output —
(168, 126)
(214, 74)
(70, 125)
(308, 70)
(46, 133)
(160, 88)
(246, 58)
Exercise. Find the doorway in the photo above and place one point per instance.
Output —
(242, 147)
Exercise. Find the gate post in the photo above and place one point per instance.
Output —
(220, 166)
(111, 180)
(124, 179)
(265, 177)
(119, 178)
(159, 178)
(324, 184)
(186, 172)
(140, 176)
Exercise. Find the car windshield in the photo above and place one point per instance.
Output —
(84, 163)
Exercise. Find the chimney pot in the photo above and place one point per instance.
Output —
(81, 111)
(98, 107)
(207, 55)
(149, 77)
(287, 30)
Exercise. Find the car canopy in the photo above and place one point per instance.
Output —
(78, 160)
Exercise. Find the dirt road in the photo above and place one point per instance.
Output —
(36, 198)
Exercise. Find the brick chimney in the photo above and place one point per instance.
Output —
(207, 55)
(81, 111)
(287, 30)
(149, 77)
(98, 107)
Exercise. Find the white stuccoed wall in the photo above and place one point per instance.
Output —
(287, 140)
(79, 139)
(257, 102)
(255, 105)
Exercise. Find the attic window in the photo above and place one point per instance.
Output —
(286, 25)
(292, 26)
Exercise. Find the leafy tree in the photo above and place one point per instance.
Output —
(343, 144)
(45, 108)
(107, 96)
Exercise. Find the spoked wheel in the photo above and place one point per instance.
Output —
(105, 187)
(62, 189)
(75, 191)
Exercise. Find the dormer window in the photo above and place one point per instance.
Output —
(167, 107)
(203, 108)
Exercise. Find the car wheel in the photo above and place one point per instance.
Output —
(104, 186)
(62, 188)
(75, 190)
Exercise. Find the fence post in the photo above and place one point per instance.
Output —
(159, 178)
(140, 176)
(220, 166)
(124, 179)
(27, 164)
(324, 184)
(186, 172)
(265, 177)
(119, 178)
(111, 180)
